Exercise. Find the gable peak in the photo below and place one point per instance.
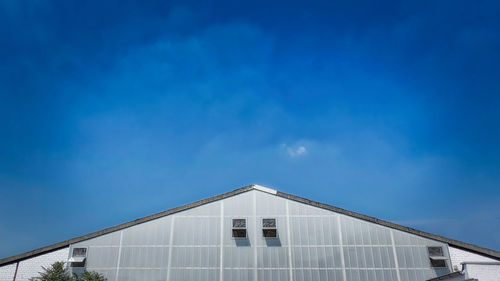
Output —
(265, 189)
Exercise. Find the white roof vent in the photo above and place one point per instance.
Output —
(265, 189)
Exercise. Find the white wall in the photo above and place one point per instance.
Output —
(31, 267)
(459, 256)
(7, 272)
(483, 272)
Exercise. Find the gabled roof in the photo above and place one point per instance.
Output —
(66, 243)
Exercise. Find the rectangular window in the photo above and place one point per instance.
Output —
(269, 229)
(79, 252)
(78, 257)
(436, 257)
(239, 228)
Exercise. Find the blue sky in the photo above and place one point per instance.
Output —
(110, 111)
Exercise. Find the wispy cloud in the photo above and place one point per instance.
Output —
(296, 150)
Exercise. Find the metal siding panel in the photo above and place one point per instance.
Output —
(151, 257)
(242, 274)
(102, 257)
(377, 256)
(401, 257)
(404, 275)
(149, 233)
(409, 257)
(384, 236)
(142, 274)
(365, 234)
(390, 254)
(196, 231)
(360, 254)
(239, 206)
(369, 257)
(269, 205)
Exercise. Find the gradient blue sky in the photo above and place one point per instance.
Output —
(113, 110)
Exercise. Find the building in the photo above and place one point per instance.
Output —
(257, 233)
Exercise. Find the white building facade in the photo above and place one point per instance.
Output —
(257, 233)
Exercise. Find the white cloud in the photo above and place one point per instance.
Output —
(296, 151)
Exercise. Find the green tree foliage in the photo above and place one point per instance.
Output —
(90, 276)
(58, 272)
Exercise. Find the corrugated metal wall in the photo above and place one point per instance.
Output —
(312, 244)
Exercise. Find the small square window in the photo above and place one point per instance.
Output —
(438, 263)
(269, 229)
(239, 233)
(435, 251)
(270, 233)
(269, 223)
(239, 223)
(436, 257)
(78, 257)
(79, 252)
(239, 228)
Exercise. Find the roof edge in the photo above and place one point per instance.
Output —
(455, 243)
